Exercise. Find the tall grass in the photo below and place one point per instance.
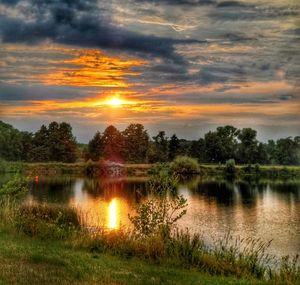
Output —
(17, 187)
(46, 221)
(228, 256)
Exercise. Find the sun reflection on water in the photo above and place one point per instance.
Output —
(113, 214)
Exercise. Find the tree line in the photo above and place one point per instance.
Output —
(134, 145)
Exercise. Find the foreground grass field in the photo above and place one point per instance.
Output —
(25, 260)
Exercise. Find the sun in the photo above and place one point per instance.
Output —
(115, 102)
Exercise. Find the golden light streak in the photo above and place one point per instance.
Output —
(113, 214)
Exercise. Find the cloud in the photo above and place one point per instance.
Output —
(240, 11)
(82, 23)
(234, 4)
(180, 2)
(11, 92)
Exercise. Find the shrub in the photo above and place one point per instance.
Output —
(161, 210)
(257, 168)
(185, 165)
(163, 182)
(47, 221)
(10, 166)
(15, 188)
(158, 213)
(230, 168)
(159, 168)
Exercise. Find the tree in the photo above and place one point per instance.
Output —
(248, 146)
(158, 151)
(27, 145)
(40, 150)
(68, 149)
(55, 143)
(174, 147)
(136, 142)
(10, 142)
(197, 150)
(221, 144)
(271, 152)
(288, 151)
(95, 147)
(113, 144)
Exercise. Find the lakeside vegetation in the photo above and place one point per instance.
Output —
(56, 143)
(154, 245)
(94, 169)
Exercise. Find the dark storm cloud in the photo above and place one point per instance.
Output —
(237, 37)
(180, 2)
(233, 4)
(9, 2)
(82, 23)
(41, 92)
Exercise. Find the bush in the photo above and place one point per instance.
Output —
(230, 168)
(159, 168)
(185, 165)
(47, 221)
(10, 166)
(15, 188)
(163, 182)
(161, 210)
(157, 214)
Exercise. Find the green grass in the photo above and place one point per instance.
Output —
(84, 168)
(25, 260)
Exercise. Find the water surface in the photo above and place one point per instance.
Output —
(258, 208)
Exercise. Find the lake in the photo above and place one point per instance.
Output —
(265, 209)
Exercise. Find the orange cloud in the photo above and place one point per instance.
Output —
(63, 66)
(93, 68)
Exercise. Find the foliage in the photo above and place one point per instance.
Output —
(288, 151)
(136, 141)
(11, 166)
(230, 168)
(16, 187)
(158, 151)
(197, 150)
(57, 143)
(47, 221)
(221, 144)
(160, 211)
(12, 143)
(185, 165)
(112, 143)
(174, 147)
(248, 146)
(95, 148)
(161, 179)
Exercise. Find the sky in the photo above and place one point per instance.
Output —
(183, 66)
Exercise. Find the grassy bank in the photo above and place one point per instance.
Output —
(95, 169)
(25, 260)
(44, 244)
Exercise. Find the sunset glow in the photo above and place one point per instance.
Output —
(115, 102)
(130, 65)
